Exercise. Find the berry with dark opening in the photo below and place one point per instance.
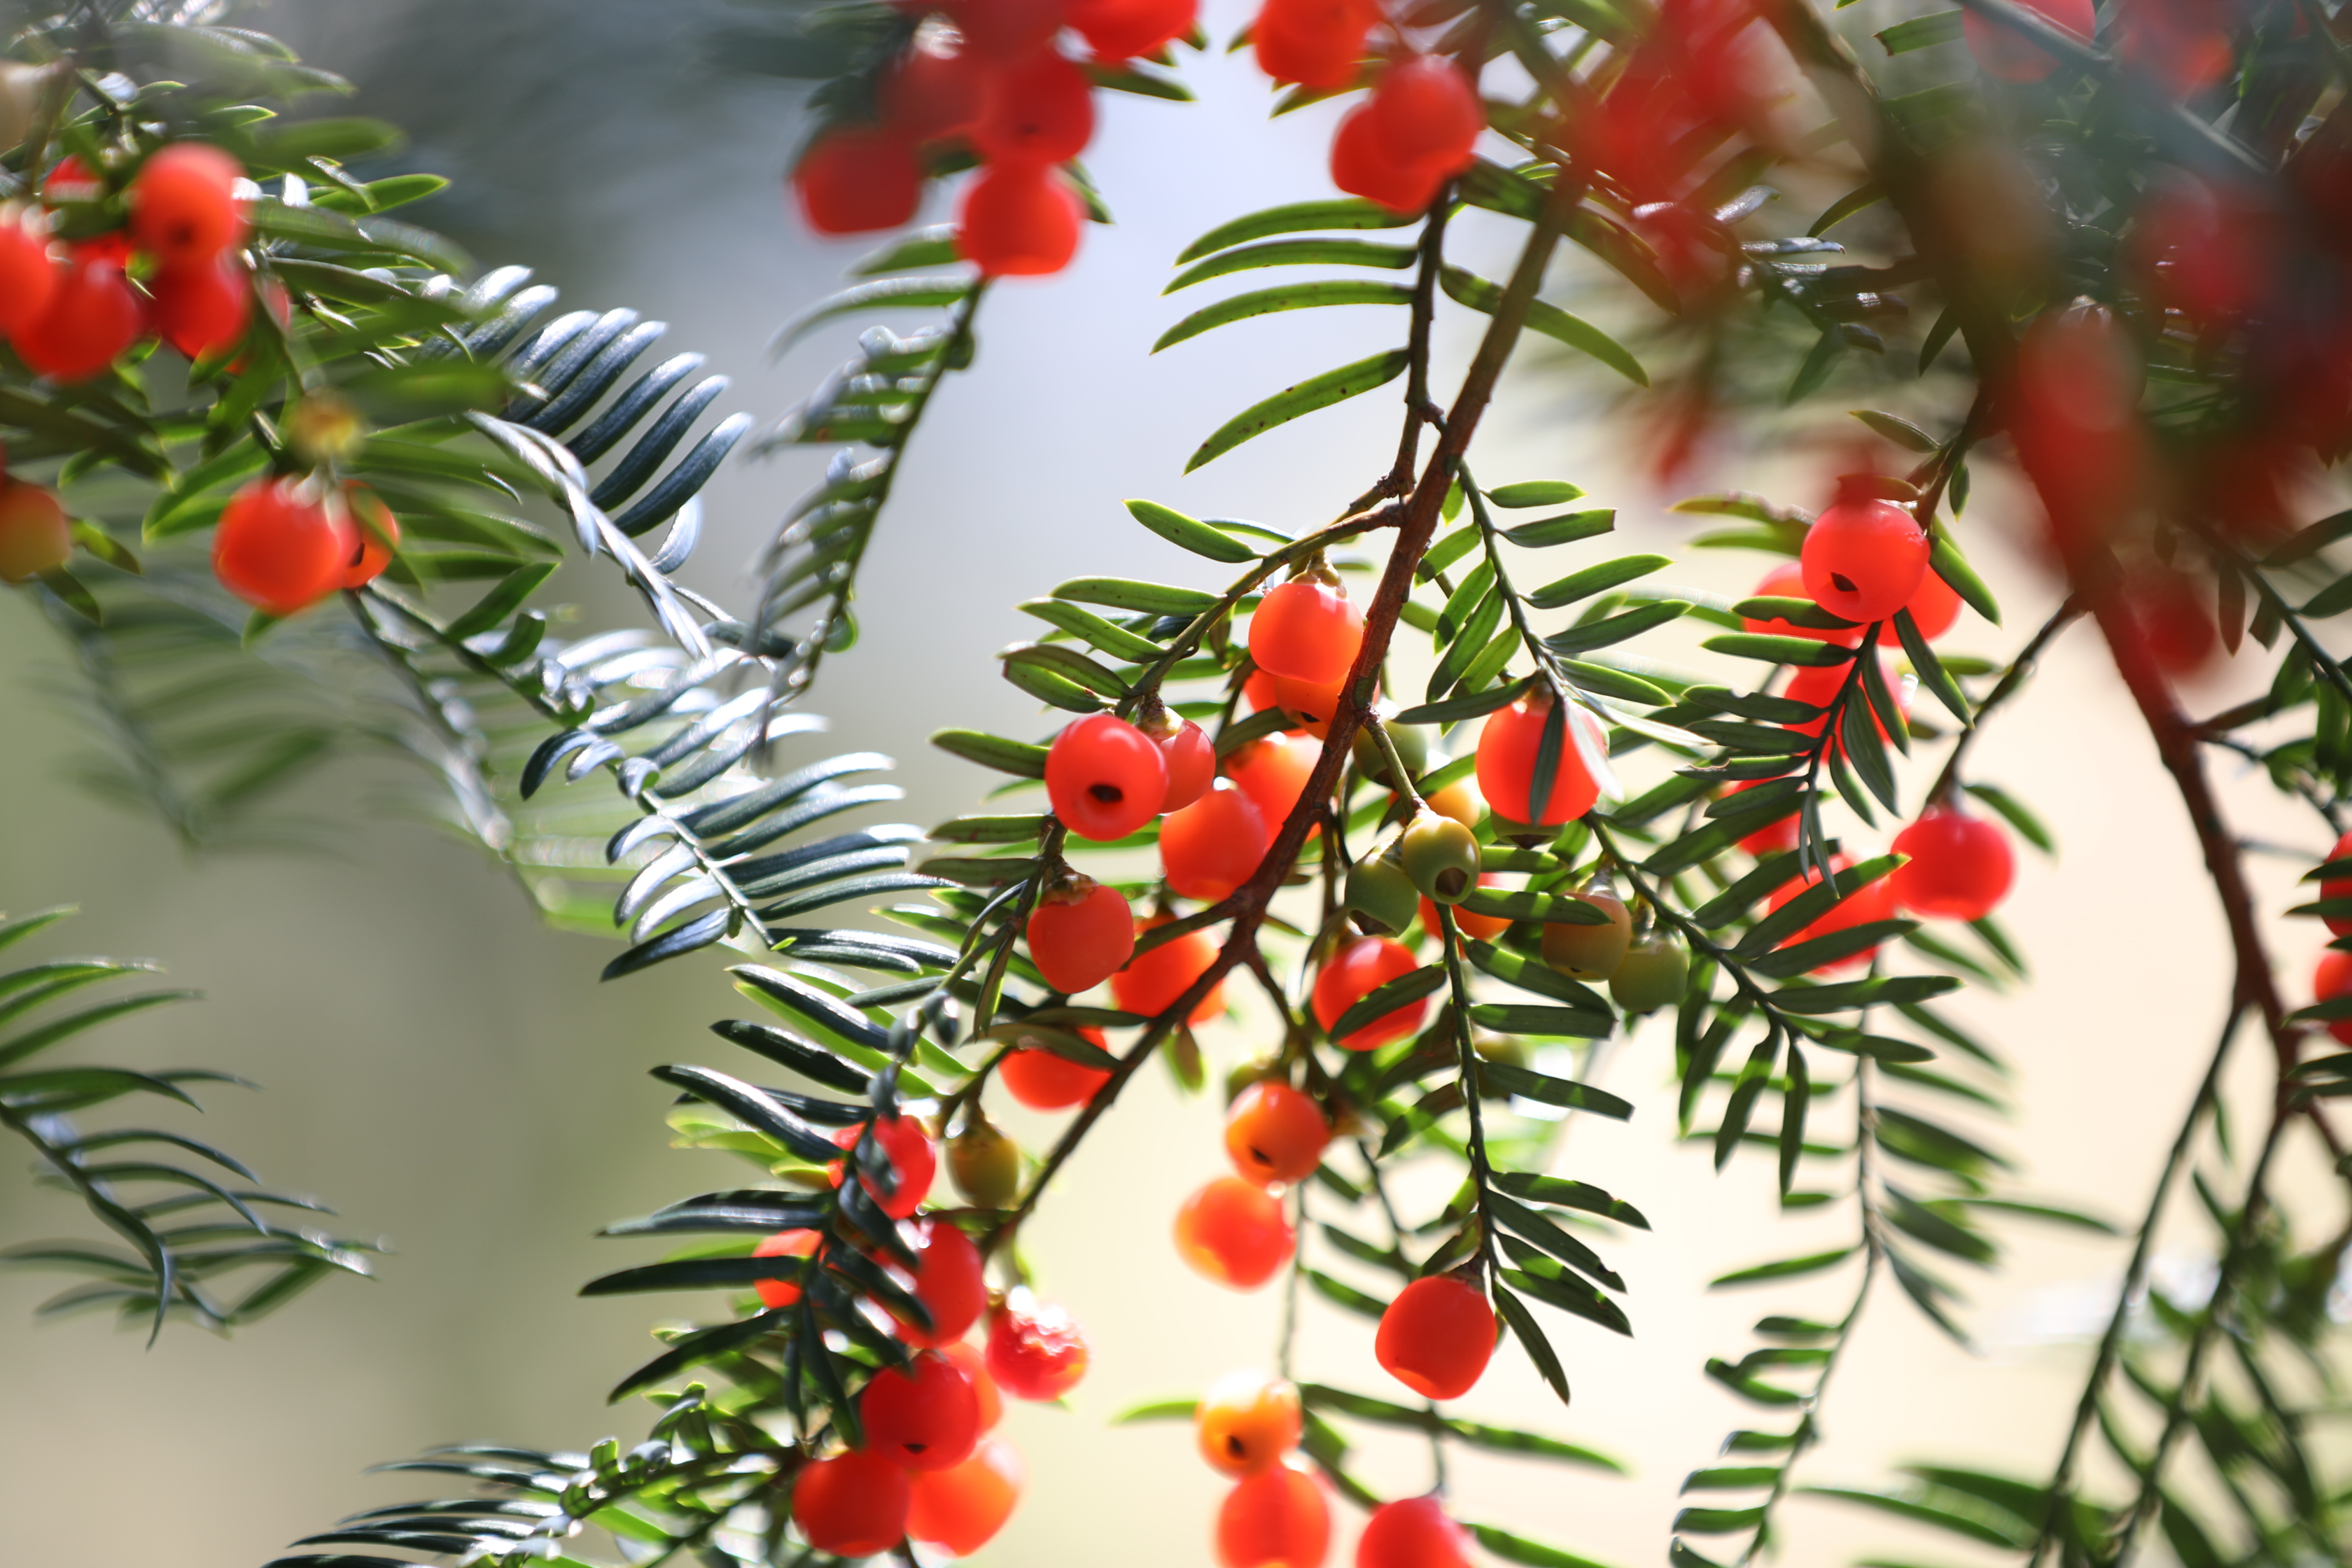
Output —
(1508, 746)
(1036, 1353)
(1441, 855)
(2004, 53)
(1019, 220)
(1380, 896)
(1153, 981)
(783, 1244)
(1653, 974)
(2338, 887)
(852, 1504)
(1359, 967)
(1275, 1133)
(2330, 979)
(1213, 845)
(204, 307)
(1039, 111)
(951, 1281)
(1104, 778)
(281, 547)
(1273, 770)
(1043, 1080)
(1413, 1532)
(1080, 933)
(1233, 1233)
(1786, 581)
(29, 267)
(1864, 558)
(923, 1415)
(1855, 907)
(1275, 1518)
(855, 179)
(1247, 1422)
(1121, 29)
(378, 534)
(1436, 1337)
(1960, 867)
(93, 315)
(34, 534)
(1591, 952)
(959, 1511)
(1306, 630)
(1186, 752)
(183, 205)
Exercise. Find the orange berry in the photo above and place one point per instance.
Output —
(1473, 926)
(1436, 1337)
(1275, 1518)
(278, 549)
(1153, 981)
(1864, 558)
(1319, 44)
(92, 316)
(203, 307)
(29, 267)
(1306, 630)
(1273, 771)
(1858, 907)
(1413, 1532)
(1786, 581)
(1359, 968)
(183, 206)
(1104, 778)
(1036, 1353)
(1247, 1422)
(1123, 30)
(1960, 866)
(1234, 1233)
(1189, 758)
(959, 1511)
(857, 178)
(1215, 845)
(852, 1504)
(1080, 933)
(1043, 1081)
(951, 1279)
(1506, 763)
(1275, 1133)
(379, 536)
(1037, 112)
(923, 1415)
(913, 1163)
(783, 1244)
(974, 1367)
(1019, 220)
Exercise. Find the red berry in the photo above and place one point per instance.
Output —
(913, 1161)
(1019, 220)
(2072, 409)
(2166, 610)
(204, 307)
(28, 269)
(1774, 838)
(1786, 581)
(1319, 44)
(183, 206)
(1274, 772)
(951, 1281)
(1234, 1233)
(1361, 967)
(1153, 981)
(1936, 607)
(1080, 934)
(2338, 887)
(856, 178)
(924, 1416)
(1473, 926)
(1864, 559)
(1362, 168)
(1310, 705)
(1213, 845)
(379, 536)
(1261, 691)
(852, 1504)
(930, 93)
(1275, 1133)
(1819, 685)
(1043, 1081)
(1036, 1353)
(783, 1244)
(1413, 1532)
(974, 1367)
(2333, 978)
(1104, 778)
(278, 549)
(1436, 1337)
(1960, 866)
(35, 535)
(1123, 30)
(1506, 763)
(72, 181)
(1040, 110)
(1305, 630)
(2203, 250)
(93, 315)
(1275, 1518)
(1855, 907)
(959, 1511)
(2009, 55)
(1247, 1422)
(1424, 113)
(1005, 30)
(1189, 758)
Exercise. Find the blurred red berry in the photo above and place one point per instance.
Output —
(1275, 1518)
(1436, 1337)
(1043, 1080)
(1121, 29)
(1960, 867)
(29, 267)
(183, 205)
(932, 92)
(857, 178)
(279, 547)
(1019, 220)
(852, 1504)
(93, 315)
(1036, 1353)
(35, 535)
(203, 308)
(959, 1511)
(783, 1244)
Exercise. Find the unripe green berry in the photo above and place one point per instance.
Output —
(1441, 857)
(984, 1165)
(1380, 896)
(1508, 1049)
(1654, 974)
(1592, 952)
(1411, 743)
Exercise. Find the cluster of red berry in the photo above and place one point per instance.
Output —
(927, 1469)
(70, 311)
(2331, 977)
(988, 77)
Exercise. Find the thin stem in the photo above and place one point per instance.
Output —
(1482, 1172)
(1424, 313)
(2111, 1344)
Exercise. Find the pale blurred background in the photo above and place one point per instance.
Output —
(453, 1078)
